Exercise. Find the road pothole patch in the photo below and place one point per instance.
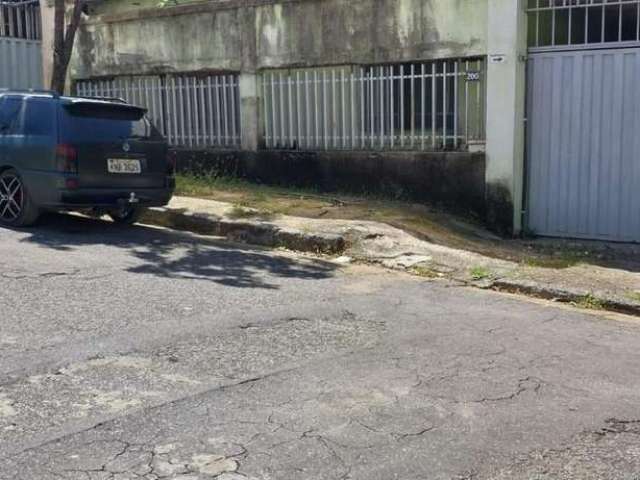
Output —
(114, 384)
(6, 407)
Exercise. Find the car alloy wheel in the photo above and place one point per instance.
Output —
(11, 198)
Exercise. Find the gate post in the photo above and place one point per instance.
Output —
(506, 69)
(249, 103)
(46, 20)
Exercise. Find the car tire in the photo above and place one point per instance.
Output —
(16, 206)
(127, 215)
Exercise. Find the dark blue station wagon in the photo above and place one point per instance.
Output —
(79, 154)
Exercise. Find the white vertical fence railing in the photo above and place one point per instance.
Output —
(20, 19)
(191, 111)
(435, 105)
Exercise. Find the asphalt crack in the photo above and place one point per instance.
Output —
(524, 385)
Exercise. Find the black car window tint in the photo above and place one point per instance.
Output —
(38, 116)
(86, 121)
(10, 115)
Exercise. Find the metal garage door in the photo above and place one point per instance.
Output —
(584, 144)
(20, 44)
(21, 62)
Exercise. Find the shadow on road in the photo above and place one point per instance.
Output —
(175, 255)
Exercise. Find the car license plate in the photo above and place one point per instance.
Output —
(123, 165)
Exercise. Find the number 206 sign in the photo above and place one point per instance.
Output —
(473, 76)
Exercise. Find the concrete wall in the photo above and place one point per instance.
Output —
(454, 179)
(249, 35)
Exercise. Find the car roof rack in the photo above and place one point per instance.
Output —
(104, 99)
(53, 93)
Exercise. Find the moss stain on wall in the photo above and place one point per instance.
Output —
(283, 34)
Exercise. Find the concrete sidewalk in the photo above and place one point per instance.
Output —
(585, 284)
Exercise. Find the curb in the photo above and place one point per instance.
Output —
(533, 289)
(269, 235)
(263, 234)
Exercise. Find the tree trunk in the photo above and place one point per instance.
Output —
(63, 42)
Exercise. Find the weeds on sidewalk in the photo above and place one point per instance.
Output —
(480, 273)
(425, 272)
(633, 296)
(589, 302)
(235, 190)
(558, 260)
(239, 212)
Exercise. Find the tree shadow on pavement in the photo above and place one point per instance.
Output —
(175, 255)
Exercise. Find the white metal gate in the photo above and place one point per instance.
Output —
(583, 150)
(584, 144)
(21, 62)
(20, 45)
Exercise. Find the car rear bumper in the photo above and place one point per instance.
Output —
(108, 198)
(51, 191)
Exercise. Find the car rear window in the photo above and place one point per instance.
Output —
(27, 116)
(10, 108)
(39, 116)
(93, 122)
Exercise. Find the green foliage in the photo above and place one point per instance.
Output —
(240, 211)
(558, 260)
(480, 273)
(633, 296)
(425, 272)
(589, 302)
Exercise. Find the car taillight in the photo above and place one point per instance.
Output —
(66, 158)
(171, 162)
(71, 183)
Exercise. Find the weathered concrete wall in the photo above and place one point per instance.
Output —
(368, 31)
(505, 114)
(160, 44)
(454, 179)
(248, 35)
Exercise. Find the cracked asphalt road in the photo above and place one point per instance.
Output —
(151, 354)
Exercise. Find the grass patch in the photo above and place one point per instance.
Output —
(239, 212)
(198, 185)
(480, 273)
(425, 272)
(558, 260)
(269, 200)
(633, 296)
(589, 302)
(211, 185)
